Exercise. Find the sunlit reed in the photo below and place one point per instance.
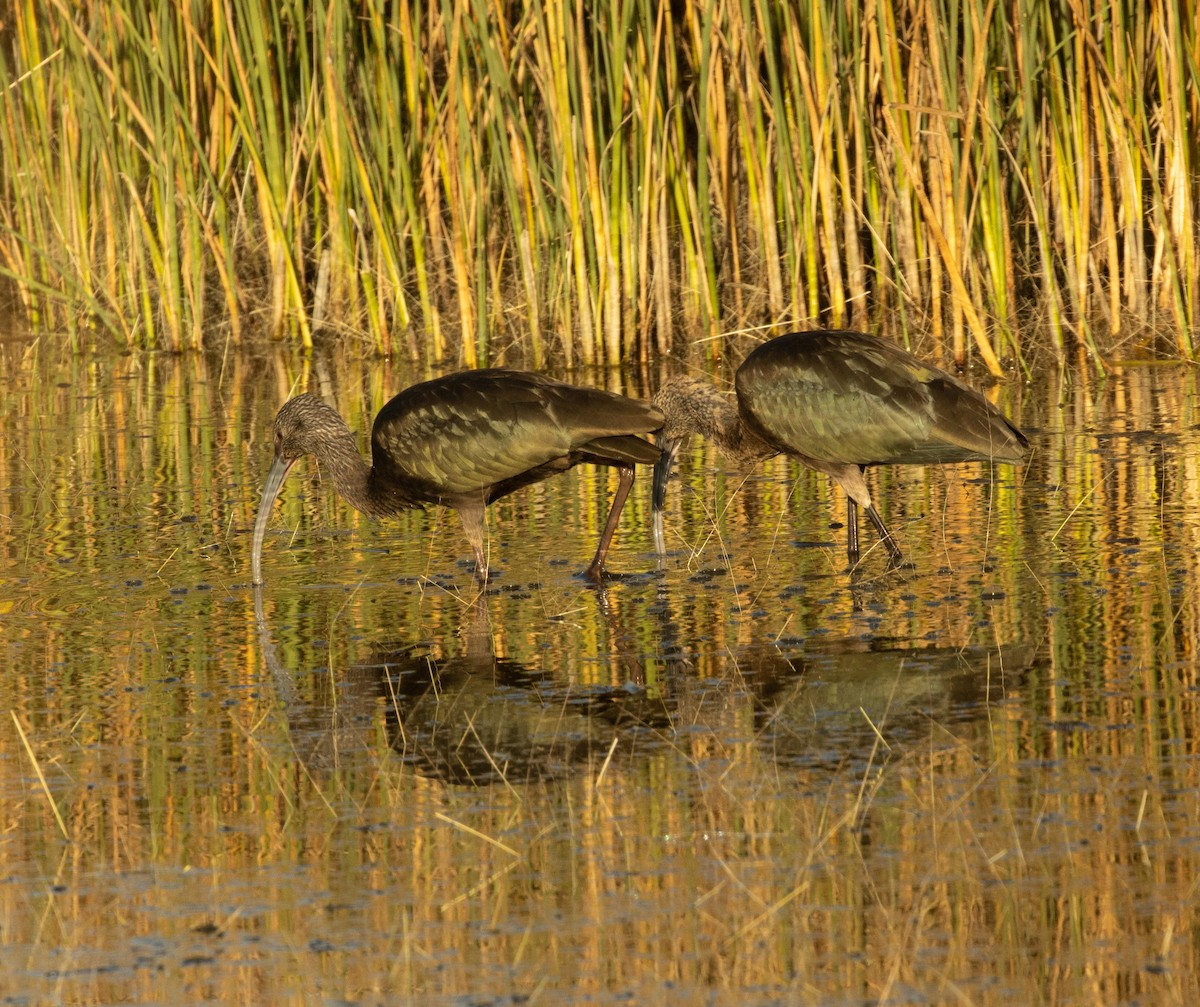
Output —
(475, 181)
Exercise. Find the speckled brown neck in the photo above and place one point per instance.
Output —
(691, 406)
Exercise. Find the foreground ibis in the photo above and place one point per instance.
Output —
(839, 402)
(463, 441)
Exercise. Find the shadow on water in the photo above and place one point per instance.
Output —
(470, 717)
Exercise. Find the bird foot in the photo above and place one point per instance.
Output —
(859, 575)
(896, 561)
(483, 572)
(599, 576)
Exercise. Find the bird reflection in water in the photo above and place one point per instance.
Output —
(459, 713)
(829, 702)
(468, 717)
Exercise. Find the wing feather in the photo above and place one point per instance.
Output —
(850, 398)
(469, 431)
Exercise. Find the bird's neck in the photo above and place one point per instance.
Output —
(739, 444)
(742, 445)
(351, 476)
(695, 407)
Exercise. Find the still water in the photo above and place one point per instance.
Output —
(737, 778)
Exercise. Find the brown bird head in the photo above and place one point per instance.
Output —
(690, 406)
(304, 425)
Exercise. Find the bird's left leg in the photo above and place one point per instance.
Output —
(895, 556)
(595, 572)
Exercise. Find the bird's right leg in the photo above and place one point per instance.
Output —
(595, 572)
(472, 521)
(852, 554)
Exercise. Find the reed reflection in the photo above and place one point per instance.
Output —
(326, 728)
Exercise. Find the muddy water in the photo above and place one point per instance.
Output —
(739, 778)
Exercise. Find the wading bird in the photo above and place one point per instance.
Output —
(839, 402)
(463, 441)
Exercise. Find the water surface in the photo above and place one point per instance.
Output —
(737, 778)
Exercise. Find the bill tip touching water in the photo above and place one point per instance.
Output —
(840, 402)
(463, 441)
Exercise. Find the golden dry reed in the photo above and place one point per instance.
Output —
(459, 181)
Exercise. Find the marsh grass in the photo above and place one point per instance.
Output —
(474, 181)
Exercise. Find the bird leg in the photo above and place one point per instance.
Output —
(595, 572)
(852, 480)
(895, 556)
(472, 522)
(852, 554)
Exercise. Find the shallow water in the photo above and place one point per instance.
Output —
(740, 778)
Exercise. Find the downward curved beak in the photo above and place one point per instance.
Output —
(662, 472)
(279, 470)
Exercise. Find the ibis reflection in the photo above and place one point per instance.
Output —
(457, 712)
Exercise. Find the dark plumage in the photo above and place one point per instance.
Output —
(840, 402)
(463, 441)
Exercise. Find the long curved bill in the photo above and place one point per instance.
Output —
(662, 472)
(279, 470)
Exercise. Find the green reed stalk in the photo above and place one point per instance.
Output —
(706, 119)
(46, 175)
(550, 44)
(1178, 74)
(658, 118)
(508, 149)
(272, 118)
(386, 152)
(1124, 103)
(991, 206)
(456, 178)
(812, 82)
(905, 246)
(754, 143)
(844, 198)
(1030, 159)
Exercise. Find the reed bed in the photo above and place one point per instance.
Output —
(477, 181)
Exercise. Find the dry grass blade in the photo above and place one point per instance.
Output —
(37, 768)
